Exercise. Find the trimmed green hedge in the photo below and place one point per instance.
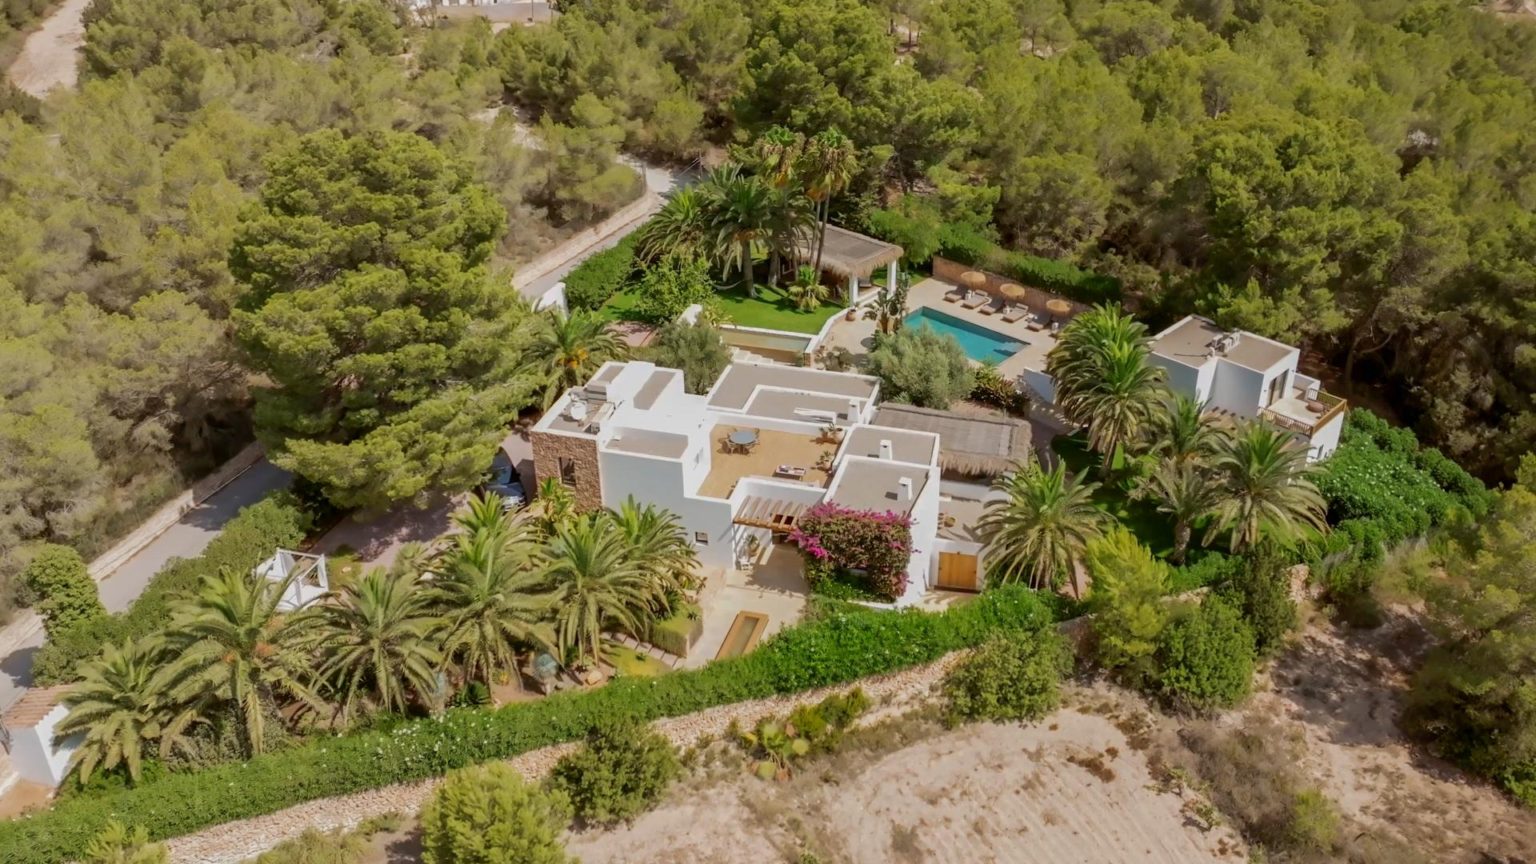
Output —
(598, 278)
(246, 540)
(836, 649)
(676, 632)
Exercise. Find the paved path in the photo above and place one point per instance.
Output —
(47, 59)
(185, 539)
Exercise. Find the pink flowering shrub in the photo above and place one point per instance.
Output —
(837, 539)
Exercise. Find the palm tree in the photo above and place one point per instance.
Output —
(682, 226)
(1040, 530)
(490, 591)
(791, 225)
(827, 167)
(774, 154)
(1182, 432)
(554, 506)
(379, 642)
(741, 215)
(244, 650)
(1185, 492)
(1266, 487)
(1104, 380)
(126, 699)
(807, 292)
(599, 584)
(657, 539)
(567, 349)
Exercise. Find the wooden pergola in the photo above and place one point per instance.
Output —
(777, 516)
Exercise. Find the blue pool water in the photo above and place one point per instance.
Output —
(978, 342)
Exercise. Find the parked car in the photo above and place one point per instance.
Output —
(502, 481)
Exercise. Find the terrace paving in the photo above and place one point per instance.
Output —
(773, 449)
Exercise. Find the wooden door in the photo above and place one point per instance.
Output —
(957, 572)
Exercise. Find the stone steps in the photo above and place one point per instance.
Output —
(671, 660)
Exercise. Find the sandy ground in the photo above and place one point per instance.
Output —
(47, 60)
(1342, 692)
(1071, 790)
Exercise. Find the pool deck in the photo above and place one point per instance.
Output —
(857, 336)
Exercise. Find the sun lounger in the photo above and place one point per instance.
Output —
(1015, 314)
(992, 308)
(954, 295)
(975, 301)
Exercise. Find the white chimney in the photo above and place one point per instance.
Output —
(886, 452)
(906, 489)
(853, 410)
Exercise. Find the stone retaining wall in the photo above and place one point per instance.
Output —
(233, 842)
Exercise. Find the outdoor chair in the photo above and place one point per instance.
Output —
(976, 300)
(1015, 314)
(954, 295)
(992, 308)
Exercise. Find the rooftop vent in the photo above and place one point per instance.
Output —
(906, 489)
(886, 452)
(597, 391)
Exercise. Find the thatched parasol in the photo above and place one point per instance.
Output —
(973, 279)
(1014, 292)
(1058, 306)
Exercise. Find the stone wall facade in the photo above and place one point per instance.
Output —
(233, 842)
(550, 447)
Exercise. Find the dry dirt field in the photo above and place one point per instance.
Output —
(1341, 692)
(1070, 790)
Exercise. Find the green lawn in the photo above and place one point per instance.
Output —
(1141, 517)
(769, 310)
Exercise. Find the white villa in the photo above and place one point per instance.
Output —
(740, 463)
(1247, 375)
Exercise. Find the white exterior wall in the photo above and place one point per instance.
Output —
(1237, 389)
(33, 754)
(925, 528)
(1043, 384)
(659, 482)
(1191, 381)
(1326, 439)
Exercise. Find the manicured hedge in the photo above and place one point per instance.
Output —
(245, 541)
(835, 649)
(601, 276)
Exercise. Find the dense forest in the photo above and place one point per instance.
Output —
(120, 204)
(1355, 175)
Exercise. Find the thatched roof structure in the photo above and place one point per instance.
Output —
(973, 446)
(849, 253)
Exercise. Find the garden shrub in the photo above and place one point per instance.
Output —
(839, 647)
(1205, 658)
(676, 632)
(62, 589)
(838, 540)
(992, 388)
(490, 813)
(594, 281)
(1205, 567)
(116, 844)
(775, 745)
(1014, 676)
(619, 773)
(921, 366)
(1128, 590)
(246, 540)
(696, 349)
(671, 285)
(1261, 591)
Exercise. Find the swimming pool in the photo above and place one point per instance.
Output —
(978, 343)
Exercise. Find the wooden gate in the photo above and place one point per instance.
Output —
(957, 572)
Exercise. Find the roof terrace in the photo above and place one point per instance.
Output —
(779, 455)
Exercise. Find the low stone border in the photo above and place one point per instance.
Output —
(233, 842)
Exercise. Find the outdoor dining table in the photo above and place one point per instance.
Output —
(743, 438)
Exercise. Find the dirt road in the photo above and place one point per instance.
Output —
(47, 60)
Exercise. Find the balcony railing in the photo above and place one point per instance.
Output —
(1332, 406)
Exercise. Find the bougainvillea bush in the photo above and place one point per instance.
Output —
(839, 541)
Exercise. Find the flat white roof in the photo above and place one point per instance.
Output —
(741, 380)
(1189, 342)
